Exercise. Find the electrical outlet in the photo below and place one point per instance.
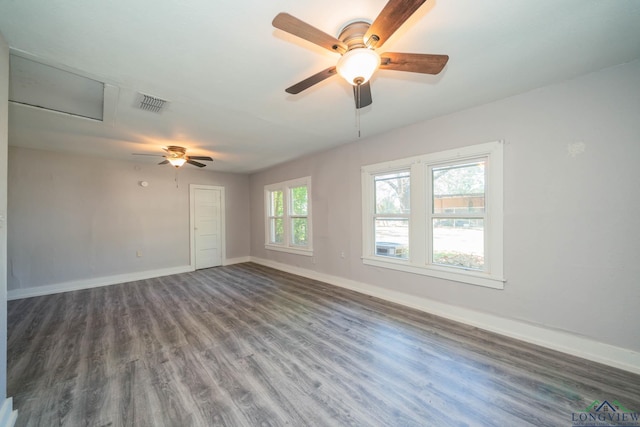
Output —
(139, 254)
(342, 254)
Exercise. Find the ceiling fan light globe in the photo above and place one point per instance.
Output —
(358, 65)
(177, 162)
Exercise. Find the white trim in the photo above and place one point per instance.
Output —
(419, 261)
(77, 285)
(239, 260)
(463, 276)
(192, 221)
(97, 282)
(285, 187)
(8, 416)
(565, 342)
(289, 249)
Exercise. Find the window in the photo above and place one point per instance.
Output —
(391, 214)
(288, 216)
(457, 215)
(439, 215)
(276, 217)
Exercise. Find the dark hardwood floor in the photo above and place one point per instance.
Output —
(246, 345)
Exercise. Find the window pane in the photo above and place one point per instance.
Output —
(299, 200)
(392, 193)
(276, 230)
(459, 188)
(277, 206)
(392, 237)
(299, 231)
(459, 242)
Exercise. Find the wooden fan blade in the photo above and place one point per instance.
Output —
(201, 158)
(144, 154)
(413, 62)
(164, 162)
(362, 95)
(194, 163)
(295, 26)
(393, 15)
(310, 81)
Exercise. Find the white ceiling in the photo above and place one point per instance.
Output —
(224, 68)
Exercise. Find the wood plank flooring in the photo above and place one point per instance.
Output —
(246, 345)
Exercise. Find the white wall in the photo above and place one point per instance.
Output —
(4, 126)
(7, 415)
(75, 218)
(571, 223)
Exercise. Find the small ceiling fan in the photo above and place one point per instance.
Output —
(357, 43)
(177, 156)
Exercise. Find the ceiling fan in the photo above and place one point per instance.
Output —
(357, 43)
(177, 156)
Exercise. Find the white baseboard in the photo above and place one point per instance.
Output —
(231, 261)
(565, 342)
(94, 282)
(76, 285)
(8, 416)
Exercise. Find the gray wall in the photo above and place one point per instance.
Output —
(571, 222)
(73, 217)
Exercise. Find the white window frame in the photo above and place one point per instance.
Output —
(287, 245)
(419, 261)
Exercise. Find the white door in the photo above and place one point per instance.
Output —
(207, 225)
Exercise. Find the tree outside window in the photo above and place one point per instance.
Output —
(391, 216)
(276, 217)
(288, 226)
(298, 214)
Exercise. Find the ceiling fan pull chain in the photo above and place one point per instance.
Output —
(357, 109)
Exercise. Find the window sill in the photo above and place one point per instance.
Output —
(463, 276)
(289, 249)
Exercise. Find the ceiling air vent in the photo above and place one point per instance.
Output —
(150, 103)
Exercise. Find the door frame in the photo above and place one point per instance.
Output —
(192, 221)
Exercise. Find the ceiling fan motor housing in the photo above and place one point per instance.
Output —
(353, 34)
(176, 151)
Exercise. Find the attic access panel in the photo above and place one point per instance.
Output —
(43, 86)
